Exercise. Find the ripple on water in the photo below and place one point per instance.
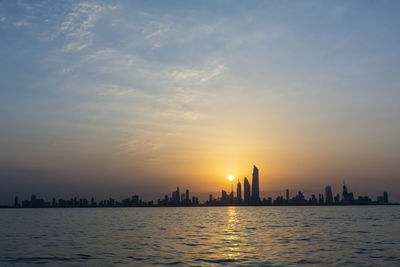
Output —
(201, 236)
(306, 261)
(193, 244)
(37, 260)
(217, 260)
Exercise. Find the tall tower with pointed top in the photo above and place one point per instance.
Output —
(255, 189)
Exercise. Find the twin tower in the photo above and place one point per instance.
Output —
(248, 198)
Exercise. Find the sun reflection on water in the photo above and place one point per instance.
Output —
(232, 240)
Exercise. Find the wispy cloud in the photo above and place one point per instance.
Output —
(144, 14)
(116, 91)
(155, 29)
(205, 28)
(201, 75)
(78, 24)
(22, 23)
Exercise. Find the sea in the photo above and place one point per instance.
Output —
(201, 236)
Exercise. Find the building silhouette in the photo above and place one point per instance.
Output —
(313, 200)
(176, 197)
(224, 197)
(328, 195)
(187, 196)
(287, 196)
(239, 192)
(246, 191)
(385, 198)
(255, 190)
(348, 197)
(337, 199)
(321, 199)
(231, 197)
(16, 202)
(135, 200)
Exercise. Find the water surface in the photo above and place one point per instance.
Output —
(199, 236)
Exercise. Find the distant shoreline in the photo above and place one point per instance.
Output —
(182, 206)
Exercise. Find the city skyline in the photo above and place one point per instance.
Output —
(176, 199)
(203, 196)
(106, 98)
(185, 198)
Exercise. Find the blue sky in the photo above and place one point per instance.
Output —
(137, 93)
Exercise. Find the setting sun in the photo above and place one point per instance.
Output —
(231, 177)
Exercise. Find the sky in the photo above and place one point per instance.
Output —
(117, 98)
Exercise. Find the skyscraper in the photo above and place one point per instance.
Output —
(224, 196)
(337, 199)
(328, 195)
(255, 191)
(16, 202)
(385, 198)
(246, 190)
(187, 196)
(348, 198)
(287, 195)
(178, 200)
(239, 192)
(321, 199)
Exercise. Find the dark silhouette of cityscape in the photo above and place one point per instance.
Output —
(251, 197)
